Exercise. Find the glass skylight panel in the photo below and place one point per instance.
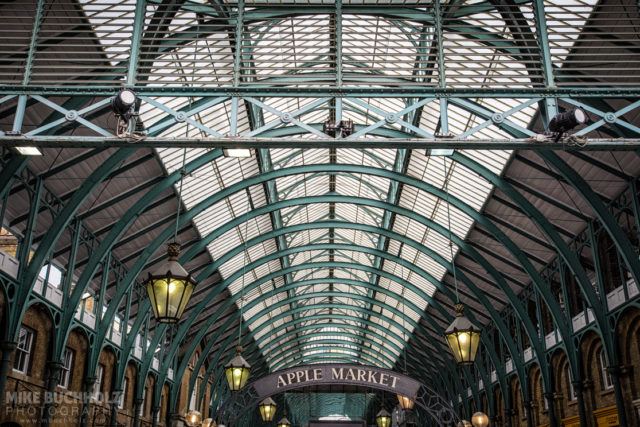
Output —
(378, 55)
(350, 236)
(374, 157)
(359, 214)
(360, 185)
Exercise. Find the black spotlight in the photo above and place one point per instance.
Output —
(563, 122)
(122, 104)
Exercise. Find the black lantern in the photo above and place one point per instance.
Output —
(463, 338)
(267, 409)
(383, 418)
(284, 422)
(170, 288)
(237, 371)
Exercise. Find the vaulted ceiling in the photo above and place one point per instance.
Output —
(326, 252)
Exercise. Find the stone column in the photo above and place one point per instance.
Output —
(6, 348)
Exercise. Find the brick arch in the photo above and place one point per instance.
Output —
(39, 319)
(517, 410)
(501, 417)
(561, 378)
(78, 341)
(537, 394)
(149, 385)
(628, 339)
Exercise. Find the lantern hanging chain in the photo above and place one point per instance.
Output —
(244, 267)
(446, 194)
(404, 328)
(182, 174)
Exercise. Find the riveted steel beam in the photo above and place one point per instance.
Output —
(596, 144)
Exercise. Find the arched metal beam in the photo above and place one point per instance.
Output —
(62, 220)
(117, 231)
(263, 178)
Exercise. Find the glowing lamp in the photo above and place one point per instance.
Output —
(383, 418)
(480, 419)
(193, 418)
(267, 409)
(237, 371)
(405, 402)
(170, 288)
(463, 338)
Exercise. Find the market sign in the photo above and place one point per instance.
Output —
(342, 374)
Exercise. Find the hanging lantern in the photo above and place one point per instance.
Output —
(463, 337)
(284, 422)
(383, 418)
(193, 418)
(480, 419)
(267, 409)
(405, 402)
(237, 371)
(464, 423)
(170, 288)
(208, 422)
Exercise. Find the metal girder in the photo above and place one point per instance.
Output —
(596, 144)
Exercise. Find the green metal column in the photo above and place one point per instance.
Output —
(578, 386)
(550, 104)
(89, 383)
(138, 25)
(7, 348)
(137, 404)
(22, 99)
(52, 380)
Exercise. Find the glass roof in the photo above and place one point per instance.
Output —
(346, 209)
